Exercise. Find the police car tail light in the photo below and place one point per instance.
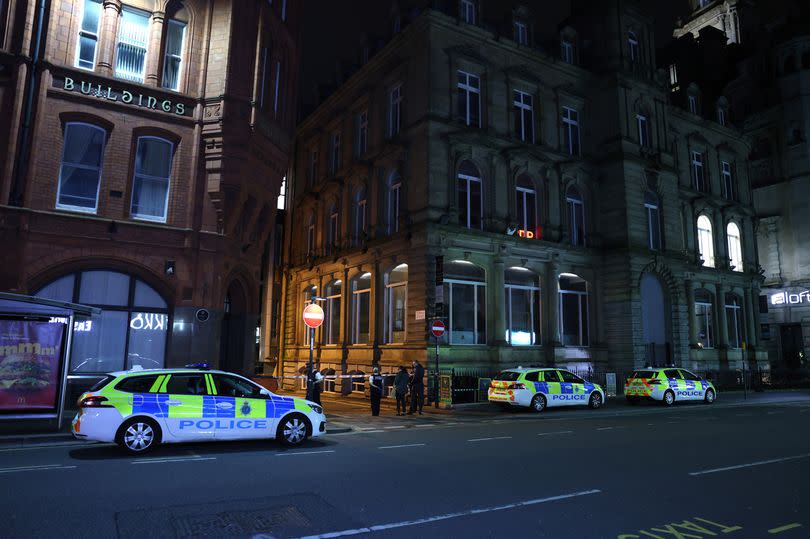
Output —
(94, 402)
(516, 386)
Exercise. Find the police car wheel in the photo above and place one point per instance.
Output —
(669, 398)
(293, 430)
(709, 398)
(138, 435)
(538, 403)
(595, 401)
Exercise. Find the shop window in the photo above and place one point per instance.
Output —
(130, 330)
(396, 304)
(173, 56)
(522, 307)
(465, 292)
(704, 315)
(470, 202)
(80, 173)
(334, 294)
(88, 34)
(133, 36)
(153, 167)
(574, 315)
(361, 308)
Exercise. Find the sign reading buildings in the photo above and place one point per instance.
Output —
(147, 100)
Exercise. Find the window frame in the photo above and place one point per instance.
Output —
(653, 209)
(478, 334)
(334, 303)
(312, 167)
(335, 152)
(727, 178)
(691, 101)
(394, 110)
(704, 314)
(583, 298)
(576, 232)
(535, 312)
(633, 47)
(734, 242)
(465, 90)
(705, 240)
(172, 148)
(734, 320)
(521, 32)
(567, 51)
(467, 11)
(394, 206)
(699, 180)
(333, 232)
(355, 309)
(643, 130)
(526, 198)
(118, 42)
(70, 207)
(570, 120)
(360, 209)
(389, 312)
(82, 33)
(361, 133)
(521, 109)
(468, 181)
(167, 55)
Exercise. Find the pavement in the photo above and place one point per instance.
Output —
(738, 468)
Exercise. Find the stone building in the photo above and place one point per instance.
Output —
(569, 213)
(146, 145)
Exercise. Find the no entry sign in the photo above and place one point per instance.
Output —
(437, 328)
(313, 315)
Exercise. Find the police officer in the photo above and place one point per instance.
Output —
(314, 386)
(375, 381)
(417, 388)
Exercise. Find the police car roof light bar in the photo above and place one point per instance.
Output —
(201, 366)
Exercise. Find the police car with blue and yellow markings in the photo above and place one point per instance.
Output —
(668, 385)
(139, 409)
(541, 388)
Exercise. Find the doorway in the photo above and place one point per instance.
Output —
(792, 345)
(655, 330)
(233, 336)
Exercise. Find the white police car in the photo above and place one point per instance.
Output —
(139, 409)
(541, 388)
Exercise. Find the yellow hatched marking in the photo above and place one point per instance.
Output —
(163, 384)
(156, 386)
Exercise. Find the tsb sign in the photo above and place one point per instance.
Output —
(788, 298)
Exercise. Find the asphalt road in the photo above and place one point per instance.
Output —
(692, 471)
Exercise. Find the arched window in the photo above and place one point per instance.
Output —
(358, 381)
(334, 292)
(130, 330)
(576, 216)
(522, 307)
(526, 207)
(704, 314)
(734, 246)
(80, 173)
(574, 316)
(359, 226)
(470, 202)
(734, 321)
(333, 232)
(693, 99)
(394, 201)
(396, 304)
(328, 383)
(465, 292)
(632, 46)
(150, 187)
(653, 220)
(360, 308)
(705, 241)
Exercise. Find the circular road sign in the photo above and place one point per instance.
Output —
(313, 315)
(437, 328)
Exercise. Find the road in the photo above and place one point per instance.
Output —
(692, 471)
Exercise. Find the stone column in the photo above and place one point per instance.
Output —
(499, 302)
(751, 306)
(720, 242)
(552, 300)
(722, 331)
(108, 37)
(152, 66)
(690, 307)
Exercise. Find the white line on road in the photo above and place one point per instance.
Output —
(558, 432)
(396, 427)
(750, 464)
(606, 428)
(493, 438)
(447, 516)
(77, 445)
(424, 425)
(398, 446)
(164, 460)
(304, 453)
(39, 468)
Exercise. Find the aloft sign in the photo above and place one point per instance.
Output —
(790, 298)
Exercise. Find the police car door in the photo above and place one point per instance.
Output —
(694, 387)
(554, 390)
(184, 406)
(677, 384)
(577, 387)
(241, 408)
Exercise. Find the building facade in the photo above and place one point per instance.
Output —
(548, 197)
(147, 141)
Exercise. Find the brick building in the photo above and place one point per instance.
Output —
(146, 142)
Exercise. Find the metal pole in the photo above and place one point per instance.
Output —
(309, 365)
(436, 380)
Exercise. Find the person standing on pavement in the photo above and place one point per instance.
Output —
(375, 381)
(401, 383)
(314, 381)
(417, 388)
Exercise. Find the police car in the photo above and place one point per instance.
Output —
(139, 409)
(668, 385)
(541, 388)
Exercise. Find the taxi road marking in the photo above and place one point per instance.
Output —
(170, 459)
(304, 453)
(447, 516)
(398, 446)
(785, 528)
(487, 439)
(750, 464)
(38, 468)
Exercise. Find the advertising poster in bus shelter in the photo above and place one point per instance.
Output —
(30, 356)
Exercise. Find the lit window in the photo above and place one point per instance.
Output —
(469, 98)
(394, 110)
(653, 220)
(524, 116)
(334, 153)
(468, 11)
(705, 241)
(153, 167)
(133, 35)
(522, 307)
(734, 321)
(727, 176)
(734, 246)
(465, 293)
(570, 118)
(396, 304)
(567, 51)
(698, 177)
(643, 130)
(88, 34)
(574, 316)
(361, 308)
(521, 33)
(361, 137)
(282, 194)
(80, 173)
(526, 206)
(576, 217)
(704, 314)
(470, 203)
(173, 58)
(334, 291)
(394, 201)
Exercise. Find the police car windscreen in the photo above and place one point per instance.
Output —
(644, 374)
(508, 376)
(101, 383)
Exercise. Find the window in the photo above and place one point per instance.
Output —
(705, 318)
(574, 319)
(173, 57)
(333, 238)
(551, 376)
(150, 189)
(311, 235)
(526, 207)
(334, 290)
(570, 377)
(360, 217)
(632, 47)
(705, 241)
(643, 132)
(80, 173)
(88, 34)
(360, 308)
(394, 110)
(361, 138)
(567, 51)
(727, 176)
(396, 304)
(130, 330)
(278, 88)
(282, 194)
(734, 246)
(570, 120)
(522, 307)
(524, 116)
(721, 116)
(467, 10)
(576, 217)
(692, 104)
(358, 381)
(698, 177)
(734, 321)
(688, 375)
(312, 167)
(264, 77)
(334, 153)
(704, 3)
(186, 384)
(653, 220)
(396, 24)
(231, 386)
(672, 374)
(394, 201)
(673, 77)
(137, 384)
(133, 35)
(469, 98)
(465, 292)
(470, 203)
(533, 376)
(521, 33)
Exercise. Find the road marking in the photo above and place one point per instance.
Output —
(304, 453)
(370, 431)
(165, 460)
(58, 444)
(397, 427)
(398, 446)
(424, 425)
(750, 464)
(606, 428)
(38, 468)
(447, 516)
(774, 413)
(785, 528)
(366, 428)
(486, 439)
(558, 432)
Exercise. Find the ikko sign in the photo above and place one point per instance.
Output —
(313, 315)
(794, 297)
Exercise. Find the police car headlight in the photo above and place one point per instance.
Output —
(315, 408)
